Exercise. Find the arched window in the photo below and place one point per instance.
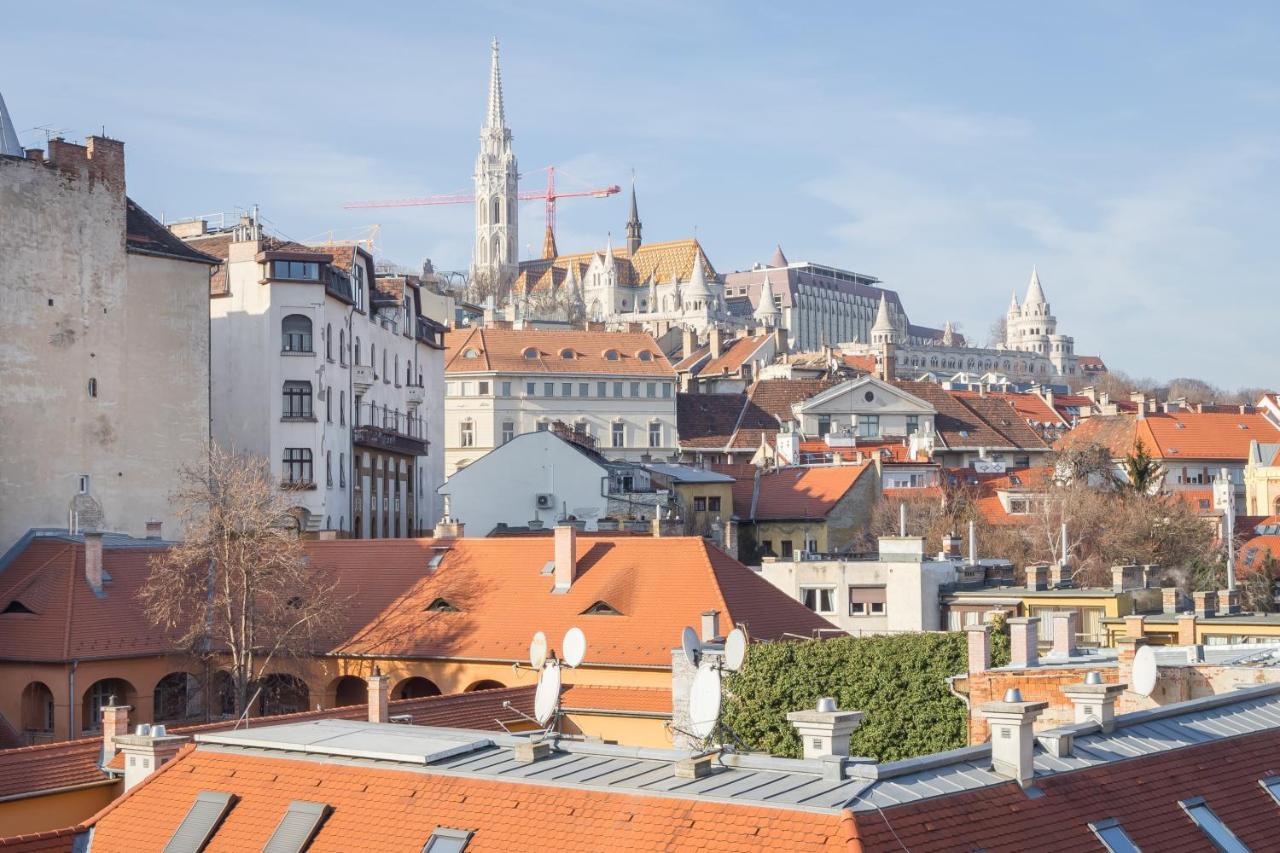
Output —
(328, 341)
(385, 374)
(177, 696)
(296, 330)
(93, 387)
(497, 250)
(357, 359)
(497, 212)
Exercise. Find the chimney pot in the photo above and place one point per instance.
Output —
(825, 733)
(566, 556)
(710, 626)
(1012, 725)
(1094, 701)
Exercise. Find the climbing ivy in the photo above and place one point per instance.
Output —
(898, 682)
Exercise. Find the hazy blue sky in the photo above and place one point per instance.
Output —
(1129, 150)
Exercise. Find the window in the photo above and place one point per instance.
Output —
(1222, 837)
(373, 359)
(530, 353)
(651, 389)
(342, 408)
(296, 330)
(666, 390)
(342, 471)
(84, 484)
(296, 270)
(548, 389)
(619, 435)
(824, 425)
(611, 355)
(445, 840)
(866, 600)
(328, 467)
(635, 389)
(819, 599)
(1271, 785)
(1113, 836)
(644, 354)
(602, 389)
(342, 347)
(467, 433)
(699, 504)
(386, 377)
(297, 399)
(713, 504)
(328, 405)
(506, 389)
(508, 431)
(913, 424)
(584, 389)
(655, 435)
(566, 389)
(484, 389)
(297, 466)
(566, 354)
(357, 358)
(328, 341)
(542, 426)
(530, 389)
(788, 549)
(617, 389)
(93, 387)
(868, 426)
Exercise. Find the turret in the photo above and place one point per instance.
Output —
(767, 312)
(8, 136)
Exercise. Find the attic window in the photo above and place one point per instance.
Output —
(611, 354)
(644, 355)
(16, 606)
(440, 605)
(298, 827)
(470, 352)
(566, 353)
(1013, 478)
(602, 608)
(201, 822)
(1180, 425)
(446, 840)
(530, 352)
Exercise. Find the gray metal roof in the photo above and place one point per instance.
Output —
(686, 473)
(1235, 654)
(752, 779)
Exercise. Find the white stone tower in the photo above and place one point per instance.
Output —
(496, 179)
(1031, 327)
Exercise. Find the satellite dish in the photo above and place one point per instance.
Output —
(692, 646)
(574, 647)
(1145, 672)
(547, 697)
(704, 702)
(538, 650)
(735, 650)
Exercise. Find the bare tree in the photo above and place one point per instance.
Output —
(998, 332)
(484, 284)
(237, 588)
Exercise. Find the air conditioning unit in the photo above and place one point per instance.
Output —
(545, 501)
(801, 556)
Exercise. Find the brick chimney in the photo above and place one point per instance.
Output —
(1172, 600)
(1229, 601)
(1205, 603)
(153, 529)
(566, 567)
(1064, 634)
(1094, 701)
(1060, 576)
(951, 547)
(1128, 649)
(979, 641)
(716, 341)
(1038, 576)
(379, 694)
(825, 731)
(1023, 639)
(1012, 724)
(1187, 629)
(93, 560)
(1134, 625)
(688, 342)
(146, 751)
(115, 722)
(710, 626)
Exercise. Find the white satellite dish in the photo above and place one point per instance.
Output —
(692, 646)
(547, 697)
(1145, 672)
(735, 650)
(574, 647)
(704, 702)
(538, 650)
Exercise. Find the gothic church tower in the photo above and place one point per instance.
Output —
(496, 179)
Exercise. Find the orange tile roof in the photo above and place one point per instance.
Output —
(397, 810)
(1204, 435)
(794, 493)
(738, 352)
(1030, 406)
(659, 261)
(32, 770)
(1198, 500)
(1029, 481)
(976, 421)
(503, 351)
(650, 701)
(658, 585)
(1114, 432)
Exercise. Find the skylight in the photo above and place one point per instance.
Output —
(1224, 839)
(1271, 785)
(446, 840)
(441, 605)
(201, 822)
(298, 827)
(1113, 836)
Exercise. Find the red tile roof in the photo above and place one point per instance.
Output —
(708, 420)
(732, 357)
(1032, 407)
(649, 701)
(144, 234)
(32, 770)
(1141, 793)
(1222, 436)
(1019, 480)
(794, 493)
(397, 810)
(975, 421)
(503, 351)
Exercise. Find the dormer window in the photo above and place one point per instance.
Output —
(644, 355)
(567, 354)
(16, 606)
(602, 608)
(530, 352)
(470, 352)
(611, 355)
(441, 605)
(296, 270)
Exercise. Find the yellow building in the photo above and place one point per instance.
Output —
(1262, 480)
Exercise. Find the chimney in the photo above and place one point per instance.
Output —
(34, 154)
(379, 692)
(665, 526)
(1038, 576)
(1186, 629)
(825, 731)
(566, 555)
(688, 342)
(1064, 634)
(1134, 625)
(1171, 600)
(1125, 578)
(1229, 601)
(1206, 603)
(93, 560)
(1151, 577)
(448, 528)
(1128, 649)
(950, 546)
(730, 545)
(1060, 576)
(979, 639)
(115, 722)
(1023, 639)
(153, 529)
(716, 341)
(1095, 701)
(1012, 736)
(145, 751)
(710, 626)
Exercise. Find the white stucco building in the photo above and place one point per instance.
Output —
(332, 373)
(615, 387)
(104, 365)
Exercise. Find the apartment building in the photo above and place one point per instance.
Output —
(331, 372)
(615, 387)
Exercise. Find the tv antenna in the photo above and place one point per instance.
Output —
(705, 692)
(550, 667)
(1145, 671)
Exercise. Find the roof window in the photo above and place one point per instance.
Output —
(602, 608)
(1113, 836)
(1222, 837)
(470, 352)
(446, 840)
(298, 827)
(530, 352)
(441, 605)
(567, 353)
(611, 355)
(202, 821)
(1271, 785)
(644, 355)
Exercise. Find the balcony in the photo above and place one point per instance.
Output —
(381, 438)
(362, 377)
(414, 395)
(382, 428)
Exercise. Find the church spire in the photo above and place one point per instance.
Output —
(496, 118)
(766, 309)
(1035, 294)
(633, 223)
(8, 136)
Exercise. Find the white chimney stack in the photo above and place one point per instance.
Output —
(825, 732)
(1095, 701)
(145, 752)
(566, 555)
(710, 626)
(1012, 723)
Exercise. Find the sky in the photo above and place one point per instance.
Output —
(1127, 150)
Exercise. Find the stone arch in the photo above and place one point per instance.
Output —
(37, 707)
(349, 690)
(281, 693)
(484, 684)
(177, 696)
(98, 695)
(415, 687)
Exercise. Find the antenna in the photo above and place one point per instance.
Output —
(538, 650)
(735, 650)
(691, 645)
(704, 702)
(574, 647)
(546, 701)
(1145, 672)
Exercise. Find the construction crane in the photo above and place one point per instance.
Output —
(549, 195)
